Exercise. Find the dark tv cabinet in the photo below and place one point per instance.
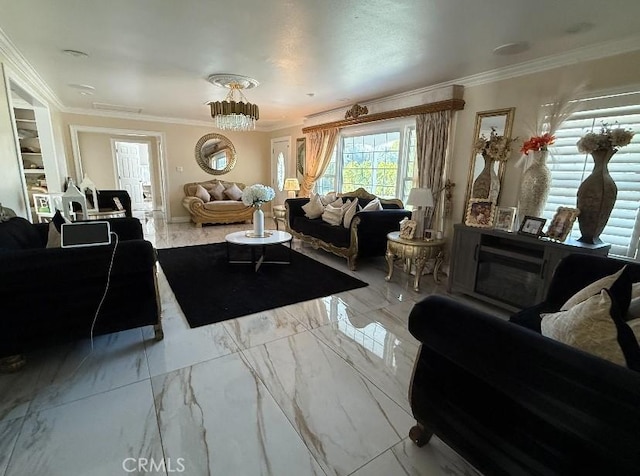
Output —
(508, 270)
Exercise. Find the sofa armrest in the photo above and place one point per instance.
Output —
(562, 401)
(372, 229)
(293, 207)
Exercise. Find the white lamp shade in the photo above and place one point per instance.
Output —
(420, 197)
(291, 184)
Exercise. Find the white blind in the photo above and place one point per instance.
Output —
(569, 168)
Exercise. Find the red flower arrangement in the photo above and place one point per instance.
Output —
(538, 143)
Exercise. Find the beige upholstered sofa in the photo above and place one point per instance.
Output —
(214, 211)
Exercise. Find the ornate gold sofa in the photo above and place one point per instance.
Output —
(214, 211)
(366, 235)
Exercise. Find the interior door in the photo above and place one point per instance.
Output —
(280, 167)
(130, 175)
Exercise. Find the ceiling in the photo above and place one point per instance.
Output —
(308, 55)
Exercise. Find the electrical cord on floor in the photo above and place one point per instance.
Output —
(104, 295)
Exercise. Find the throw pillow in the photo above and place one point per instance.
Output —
(314, 208)
(53, 236)
(233, 192)
(328, 198)
(202, 194)
(350, 212)
(373, 206)
(634, 306)
(333, 215)
(217, 191)
(595, 326)
(55, 225)
(593, 289)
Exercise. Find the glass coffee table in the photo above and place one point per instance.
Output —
(258, 246)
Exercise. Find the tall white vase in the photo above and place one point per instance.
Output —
(258, 222)
(534, 189)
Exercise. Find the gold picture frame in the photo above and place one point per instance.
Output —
(562, 223)
(301, 153)
(480, 213)
(407, 229)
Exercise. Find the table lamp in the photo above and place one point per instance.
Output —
(291, 185)
(419, 199)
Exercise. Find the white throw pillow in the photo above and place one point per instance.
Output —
(588, 327)
(350, 212)
(314, 208)
(373, 206)
(328, 198)
(337, 202)
(333, 214)
(591, 290)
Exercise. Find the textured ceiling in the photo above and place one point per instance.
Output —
(308, 55)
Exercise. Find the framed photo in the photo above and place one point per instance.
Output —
(407, 229)
(429, 235)
(301, 152)
(532, 226)
(562, 222)
(505, 217)
(480, 213)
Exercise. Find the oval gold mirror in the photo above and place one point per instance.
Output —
(215, 154)
(500, 121)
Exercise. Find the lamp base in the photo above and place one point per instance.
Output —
(291, 194)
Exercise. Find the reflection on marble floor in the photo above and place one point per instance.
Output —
(314, 388)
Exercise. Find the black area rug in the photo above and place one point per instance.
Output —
(210, 290)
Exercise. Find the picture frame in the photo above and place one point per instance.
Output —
(480, 213)
(562, 223)
(407, 229)
(301, 152)
(429, 235)
(505, 218)
(532, 226)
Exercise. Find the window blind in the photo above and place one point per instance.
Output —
(569, 168)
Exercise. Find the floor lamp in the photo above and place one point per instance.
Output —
(419, 199)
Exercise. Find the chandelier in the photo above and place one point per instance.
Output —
(234, 113)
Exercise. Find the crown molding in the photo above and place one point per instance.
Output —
(20, 64)
(578, 55)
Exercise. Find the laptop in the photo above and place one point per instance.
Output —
(85, 233)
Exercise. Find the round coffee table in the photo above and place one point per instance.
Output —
(273, 237)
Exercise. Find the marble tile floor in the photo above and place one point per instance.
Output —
(318, 388)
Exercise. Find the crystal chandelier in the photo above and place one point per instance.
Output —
(234, 114)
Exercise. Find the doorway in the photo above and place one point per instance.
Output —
(133, 172)
(280, 167)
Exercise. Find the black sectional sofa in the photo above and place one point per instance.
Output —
(50, 295)
(513, 402)
(366, 236)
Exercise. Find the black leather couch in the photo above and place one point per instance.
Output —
(513, 402)
(50, 295)
(366, 236)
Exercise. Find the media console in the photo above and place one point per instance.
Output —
(508, 270)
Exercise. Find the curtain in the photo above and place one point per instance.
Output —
(432, 140)
(320, 145)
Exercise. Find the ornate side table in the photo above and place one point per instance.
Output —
(417, 252)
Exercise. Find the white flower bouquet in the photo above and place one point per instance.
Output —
(495, 147)
(257, 194)
(607, 138)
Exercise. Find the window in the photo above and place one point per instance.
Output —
(379, 159)
(569, 168)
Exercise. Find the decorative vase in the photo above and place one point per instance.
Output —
(258, 221)
(486, 185)
(536, 182)
(596, 197)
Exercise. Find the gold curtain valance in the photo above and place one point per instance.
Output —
(449, 104)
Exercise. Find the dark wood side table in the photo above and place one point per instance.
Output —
(416, 252)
